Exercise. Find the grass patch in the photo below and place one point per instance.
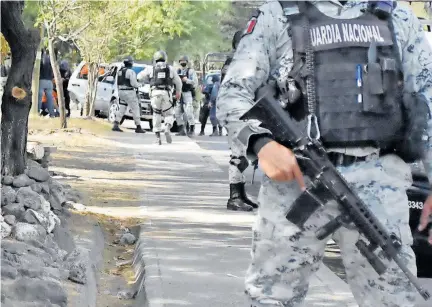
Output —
(92, 125)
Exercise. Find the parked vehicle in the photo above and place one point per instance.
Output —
(417, 195)
(106, 103)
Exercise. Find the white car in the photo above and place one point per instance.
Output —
(106, 103)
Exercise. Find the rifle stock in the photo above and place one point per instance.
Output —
(327, 184)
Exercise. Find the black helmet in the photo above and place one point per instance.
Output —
(236, 39)
(184, 58)
(160, 56)
(128, 61)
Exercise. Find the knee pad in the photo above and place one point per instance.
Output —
(240, 162)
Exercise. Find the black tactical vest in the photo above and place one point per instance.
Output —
(185, 73)
(161, 75)
(358, 89)
(121, 79)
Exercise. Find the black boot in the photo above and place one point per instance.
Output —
(214, 131)
(116, 127)
(139, 129)
(220, 130)
(246, 199)
(235, 202)
(191, 130)
(202, 130)
(158, 138)
(181, 130)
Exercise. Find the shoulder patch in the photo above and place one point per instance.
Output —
(252, 22)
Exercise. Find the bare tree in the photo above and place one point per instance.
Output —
(16, 100)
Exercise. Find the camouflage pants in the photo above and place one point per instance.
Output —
(129, 99)
(234, 174)
(188, 109)
(162, 106)
(284, 258)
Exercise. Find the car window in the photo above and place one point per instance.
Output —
(137, 69)
(83, 74)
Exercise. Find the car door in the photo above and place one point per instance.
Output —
(78, 83)
(105, 90)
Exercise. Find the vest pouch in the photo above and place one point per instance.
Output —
(412, 146)
(373, 89)
(390, 78)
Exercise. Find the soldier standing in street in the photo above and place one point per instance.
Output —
(127, 85)
(190, 82)
(238, 200)
(362, 58)
(162, 77)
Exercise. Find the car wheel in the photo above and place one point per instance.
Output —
(113, 109)
(97, 113)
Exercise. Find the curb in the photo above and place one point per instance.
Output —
(148, 280)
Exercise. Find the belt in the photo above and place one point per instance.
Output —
(126, 88)
(340, 159)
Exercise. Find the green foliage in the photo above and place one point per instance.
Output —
(109, 30)
(30, 13)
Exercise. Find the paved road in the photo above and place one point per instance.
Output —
(195, 252)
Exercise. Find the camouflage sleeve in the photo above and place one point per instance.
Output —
(194, 79)
(131, 75)
(252, 62)
(144, 76)
(176, 80)
(416, 53)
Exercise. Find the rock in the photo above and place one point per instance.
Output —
(59, 274)
(126, 294)
(45, 187)
(22, 181)
(8, 180)
(29, 218)
(5, 230)
(8, 271)
(64, 239)
(45, 205)
(48, 221)
(29, 290)
(76, 263)
(8, 195)
(73, 195)
(37, 187)
(127, 238)
(38, 173)
(74, 206)
(27, 232)
(16, 209)
(57, 195)
(29, 198)
(10, 219)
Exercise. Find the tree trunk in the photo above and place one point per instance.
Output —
(58, 81)
(16, 101)
(35, 79)
(92, 89)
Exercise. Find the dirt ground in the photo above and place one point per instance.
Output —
(90, 162)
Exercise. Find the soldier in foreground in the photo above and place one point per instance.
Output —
(162, 77)
(127, 85)
(238, 200)
(357, 110)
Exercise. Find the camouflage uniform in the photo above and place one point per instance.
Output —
(188, 102)
(283, 257)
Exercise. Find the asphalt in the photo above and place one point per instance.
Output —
(192, 251)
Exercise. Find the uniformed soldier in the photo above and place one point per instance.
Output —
(127, 85)
(238, 200)
(354, 62)
(190, 82)
(162, 77)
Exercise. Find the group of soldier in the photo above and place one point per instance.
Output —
(166, 82)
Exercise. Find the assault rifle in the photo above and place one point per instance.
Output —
(327, 184)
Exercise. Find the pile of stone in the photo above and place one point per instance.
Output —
(37, 252)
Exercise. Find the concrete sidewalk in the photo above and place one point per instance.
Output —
(196, 252)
